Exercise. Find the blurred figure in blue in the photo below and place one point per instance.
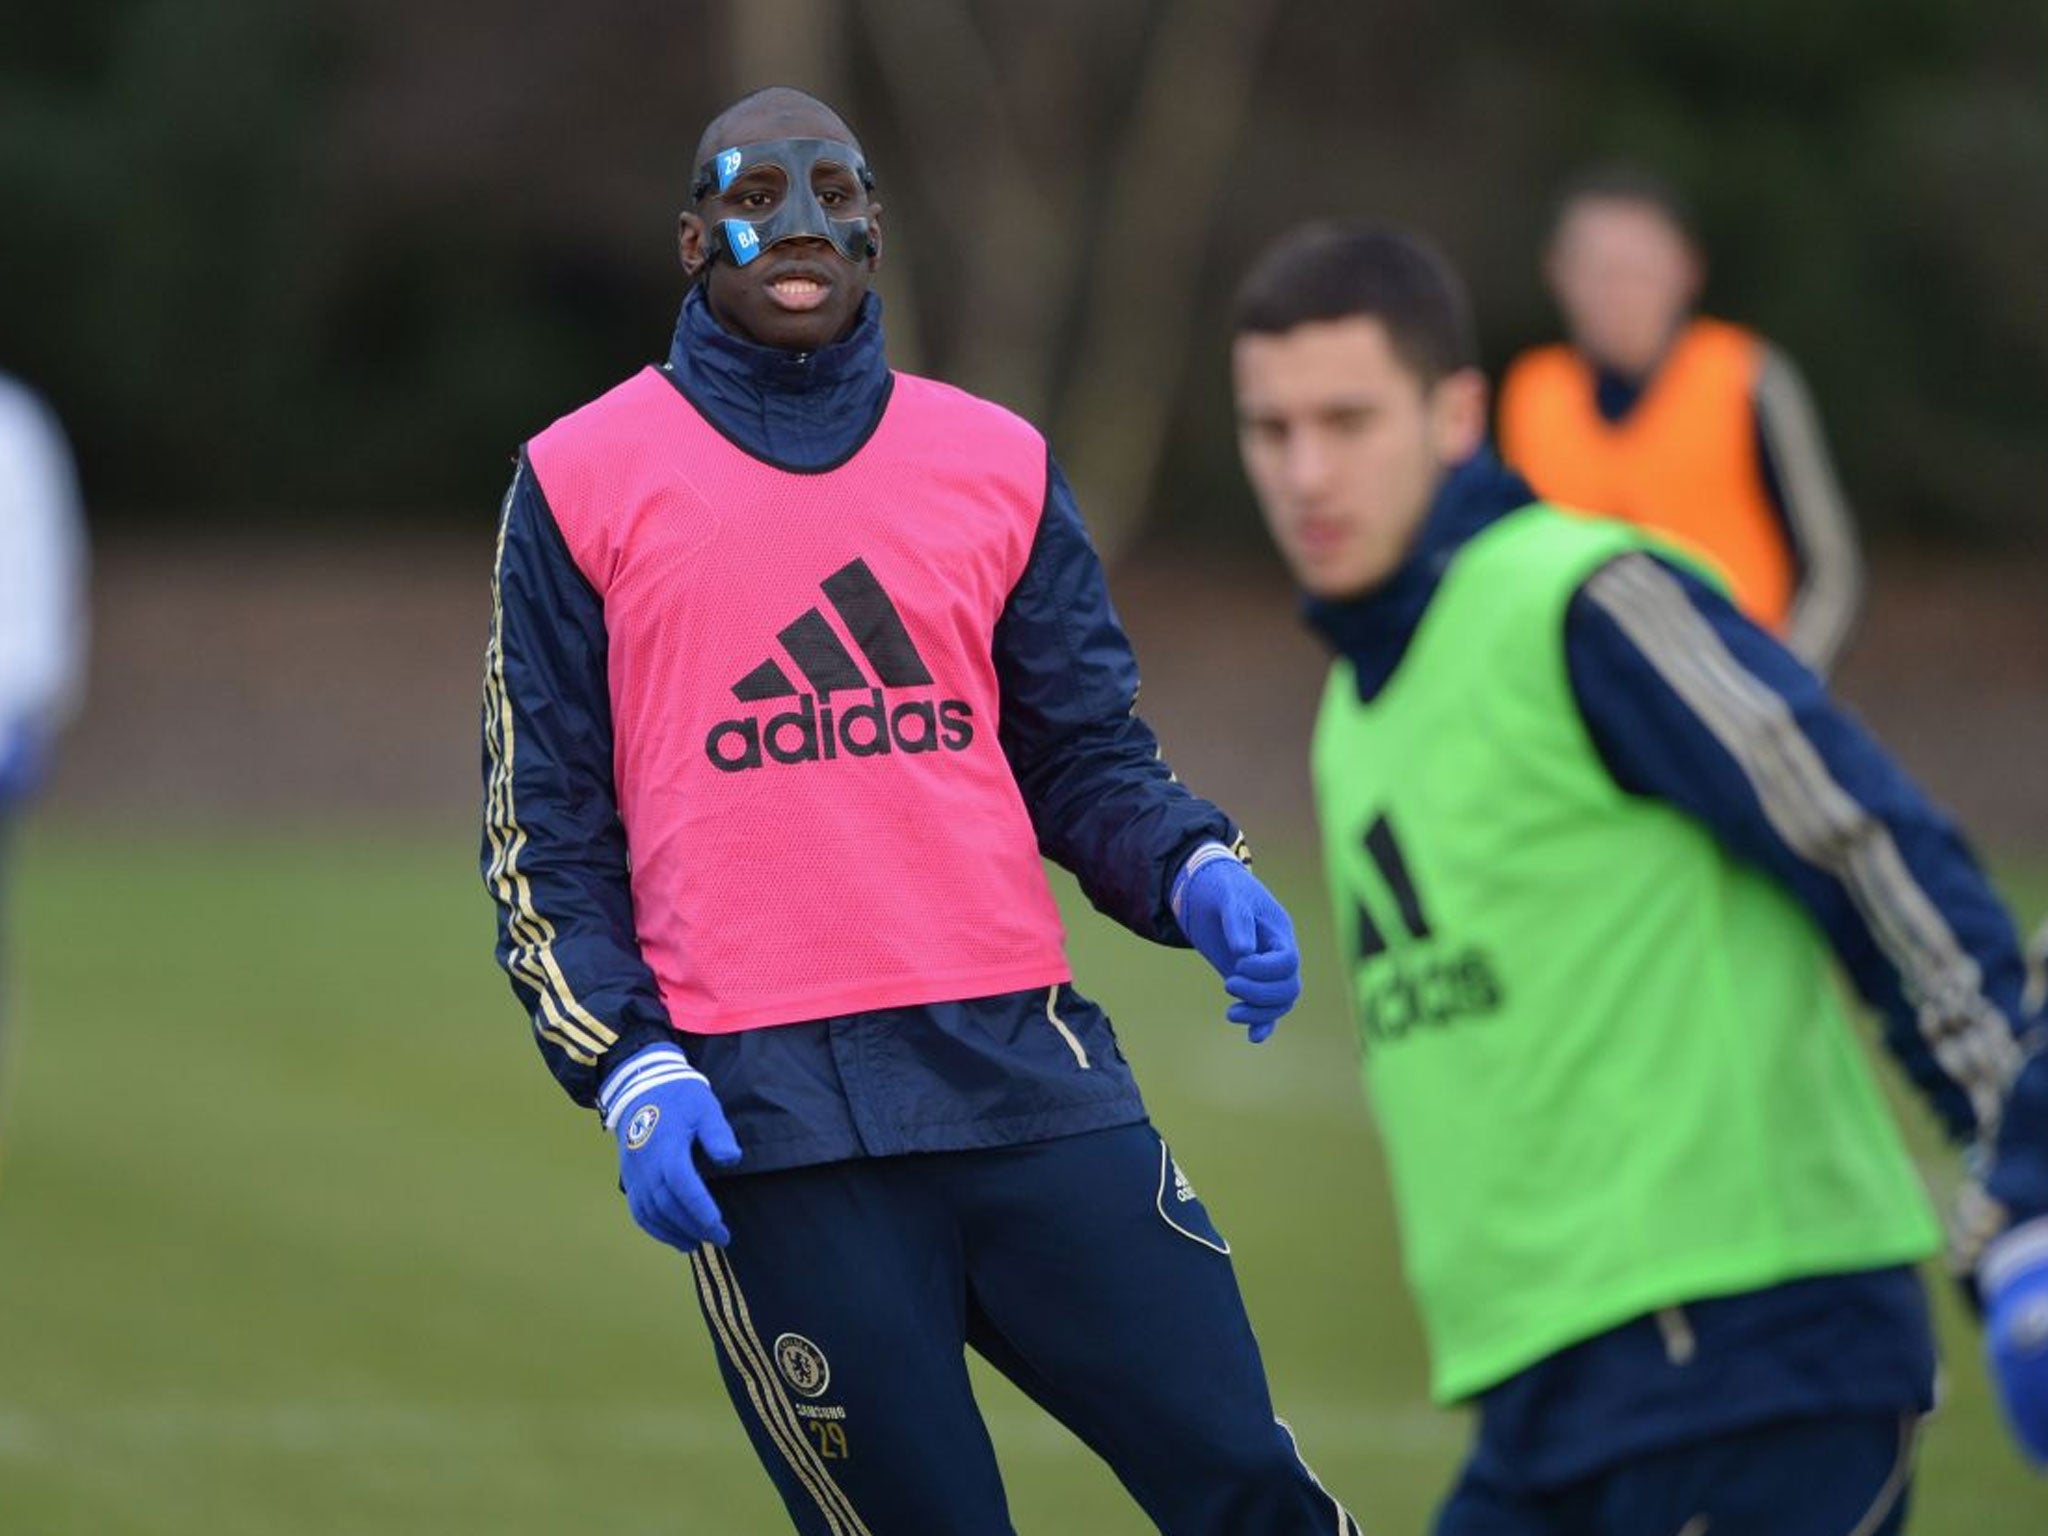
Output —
(42, 599)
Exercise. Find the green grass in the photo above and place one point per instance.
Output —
(297, 1237)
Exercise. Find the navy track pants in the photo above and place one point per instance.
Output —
(1082, 1268)
(1844, 1476)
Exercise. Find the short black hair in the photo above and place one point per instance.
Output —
(1332, 271)
(1620, 181)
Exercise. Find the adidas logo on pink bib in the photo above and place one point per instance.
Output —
(812, 730)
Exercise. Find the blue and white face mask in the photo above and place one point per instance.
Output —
(784, 169)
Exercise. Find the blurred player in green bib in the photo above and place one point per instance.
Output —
(1599, 845)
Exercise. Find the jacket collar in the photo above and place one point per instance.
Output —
(801, 409)
(1373, 631)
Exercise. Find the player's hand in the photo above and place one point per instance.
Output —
(662, 1110)
(1240, 928)
(2013, 1278)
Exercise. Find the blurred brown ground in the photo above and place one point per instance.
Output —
(301, 681)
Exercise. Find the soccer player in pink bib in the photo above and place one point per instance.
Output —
(797, 666)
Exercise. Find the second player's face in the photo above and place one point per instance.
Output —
(1345, 446)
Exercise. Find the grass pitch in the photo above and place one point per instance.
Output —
(296, 1236)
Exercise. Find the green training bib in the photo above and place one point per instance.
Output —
(1609, 1061)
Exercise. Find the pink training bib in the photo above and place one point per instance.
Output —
(804, 704)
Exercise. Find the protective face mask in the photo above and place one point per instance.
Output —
(799, 214)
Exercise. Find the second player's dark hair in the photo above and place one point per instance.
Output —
(1331, 271)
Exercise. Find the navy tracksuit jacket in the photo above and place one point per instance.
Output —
(979, 1072)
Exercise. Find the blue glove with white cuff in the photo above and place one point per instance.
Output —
(662, 1109)
(1241, 929)
(2013, 1278)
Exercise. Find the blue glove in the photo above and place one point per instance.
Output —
(1239, 928)
(662, 1109)
(2014, 1279)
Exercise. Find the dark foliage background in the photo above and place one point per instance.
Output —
(289, 260)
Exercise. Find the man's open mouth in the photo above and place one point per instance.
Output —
(798, 291)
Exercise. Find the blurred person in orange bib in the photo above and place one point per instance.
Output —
(1695, 427)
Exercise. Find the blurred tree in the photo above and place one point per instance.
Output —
(271, 254)
(1059, 238)
(155, 220)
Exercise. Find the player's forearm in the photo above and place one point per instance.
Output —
(1816, 516)
(554, 856)
(1103, 803)
(1106, 808)
(566, 945)
(1691, 703)
(2016, 1175)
